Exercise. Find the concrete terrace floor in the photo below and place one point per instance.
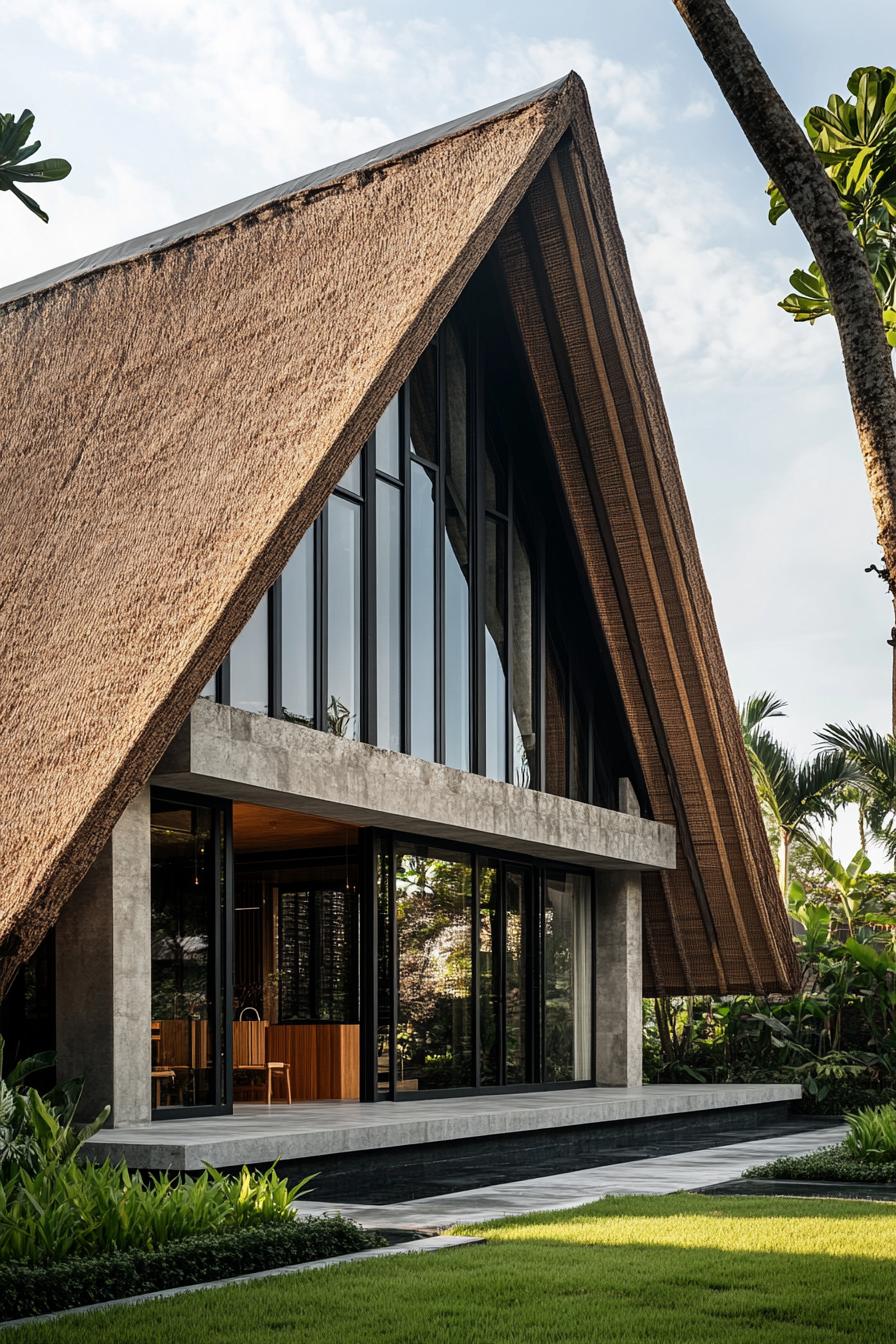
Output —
(263, 1134)
(648, 1176)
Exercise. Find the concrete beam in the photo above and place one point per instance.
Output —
(619, 1013)
(103, 986)
(230, 753)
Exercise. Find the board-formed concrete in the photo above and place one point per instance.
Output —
(231, 753)
(264, 1134)
(103, 989)
(618, 1002)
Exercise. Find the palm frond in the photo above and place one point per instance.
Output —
(757, 708)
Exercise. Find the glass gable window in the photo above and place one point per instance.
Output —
(434, 607)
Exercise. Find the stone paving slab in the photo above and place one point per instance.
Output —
(647, 1176)
(264, 1134)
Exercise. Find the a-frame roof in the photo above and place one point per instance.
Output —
(178, 409)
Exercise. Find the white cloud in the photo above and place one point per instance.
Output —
(700, 108)
(121, 205)
(710, 307)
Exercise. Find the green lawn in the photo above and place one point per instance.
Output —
(674, 1269)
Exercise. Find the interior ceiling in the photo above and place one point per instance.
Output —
(259, 829)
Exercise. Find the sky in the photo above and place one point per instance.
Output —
(170, 108)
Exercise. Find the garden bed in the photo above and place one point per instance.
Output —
(32, 1290)
(835, 1164)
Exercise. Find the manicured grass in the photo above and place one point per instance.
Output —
(828, 1164)
(674, 1269)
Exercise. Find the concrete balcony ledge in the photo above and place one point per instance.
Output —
(230, 753)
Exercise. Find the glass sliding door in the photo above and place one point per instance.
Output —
(518, 965)
(568, 938)
(434, 926)
(188, 922)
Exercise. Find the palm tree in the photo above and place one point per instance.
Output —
(795, 795)
(873, 757)
(14, 150)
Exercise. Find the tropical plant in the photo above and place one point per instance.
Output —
(873, 756)
(872, 1134)
(14, 151)
(39, 1131)
(855, 141)
(69, 1209)
(794, 795)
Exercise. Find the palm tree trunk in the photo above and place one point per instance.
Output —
(790, 162)
(784, 863)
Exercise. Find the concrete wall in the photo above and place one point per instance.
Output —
(250, 757)
(619, 1022)
(103, 983)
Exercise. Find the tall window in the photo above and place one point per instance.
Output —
(432, 608)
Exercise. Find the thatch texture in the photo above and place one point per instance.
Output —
(176, 420)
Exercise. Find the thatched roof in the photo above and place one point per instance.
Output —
(178, 410)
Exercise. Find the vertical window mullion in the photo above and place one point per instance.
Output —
(320, 619)
(477, 541)
(406, 633)
(439, 565)
(275, 650)
(368, 726)
(510, 738)
(474, 977)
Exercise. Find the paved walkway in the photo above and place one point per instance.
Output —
(648, 1176)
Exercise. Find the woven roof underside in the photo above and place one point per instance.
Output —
(179, 417)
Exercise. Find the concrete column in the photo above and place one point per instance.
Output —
(103, 975)
(619, 1010)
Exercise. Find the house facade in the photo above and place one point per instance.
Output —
(376, 742)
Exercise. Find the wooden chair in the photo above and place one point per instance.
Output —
(250, 1055)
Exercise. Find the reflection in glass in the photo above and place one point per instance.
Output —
(424, 403)
(249, 663)
(388, 443)
(210, 689)
(388, 616)
(516, 951)
(489, 975)
(523, 636)
(555, 727)
(423, 614)
(351, 480)
(457, 561)
(384, 955)
(495, 648)
(297, 588)
(568, 994)
(434, 918)
(343, 617)
(182, 907)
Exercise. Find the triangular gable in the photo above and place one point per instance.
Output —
(177, 419)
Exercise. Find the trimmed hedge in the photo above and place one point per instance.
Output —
(828, 1164)
(31, 1290)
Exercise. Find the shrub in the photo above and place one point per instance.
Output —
(872, 1134)
(828, 1164)
(36, 1131)
(30, 1290)
(67, 1209)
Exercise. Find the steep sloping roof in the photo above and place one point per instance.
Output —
(180, 409)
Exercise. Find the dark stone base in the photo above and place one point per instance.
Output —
(393, 1175)
(805, 1189)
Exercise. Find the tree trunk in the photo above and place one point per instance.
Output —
(791, 163)
(784, 865)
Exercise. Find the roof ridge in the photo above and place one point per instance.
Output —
(21, 292)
